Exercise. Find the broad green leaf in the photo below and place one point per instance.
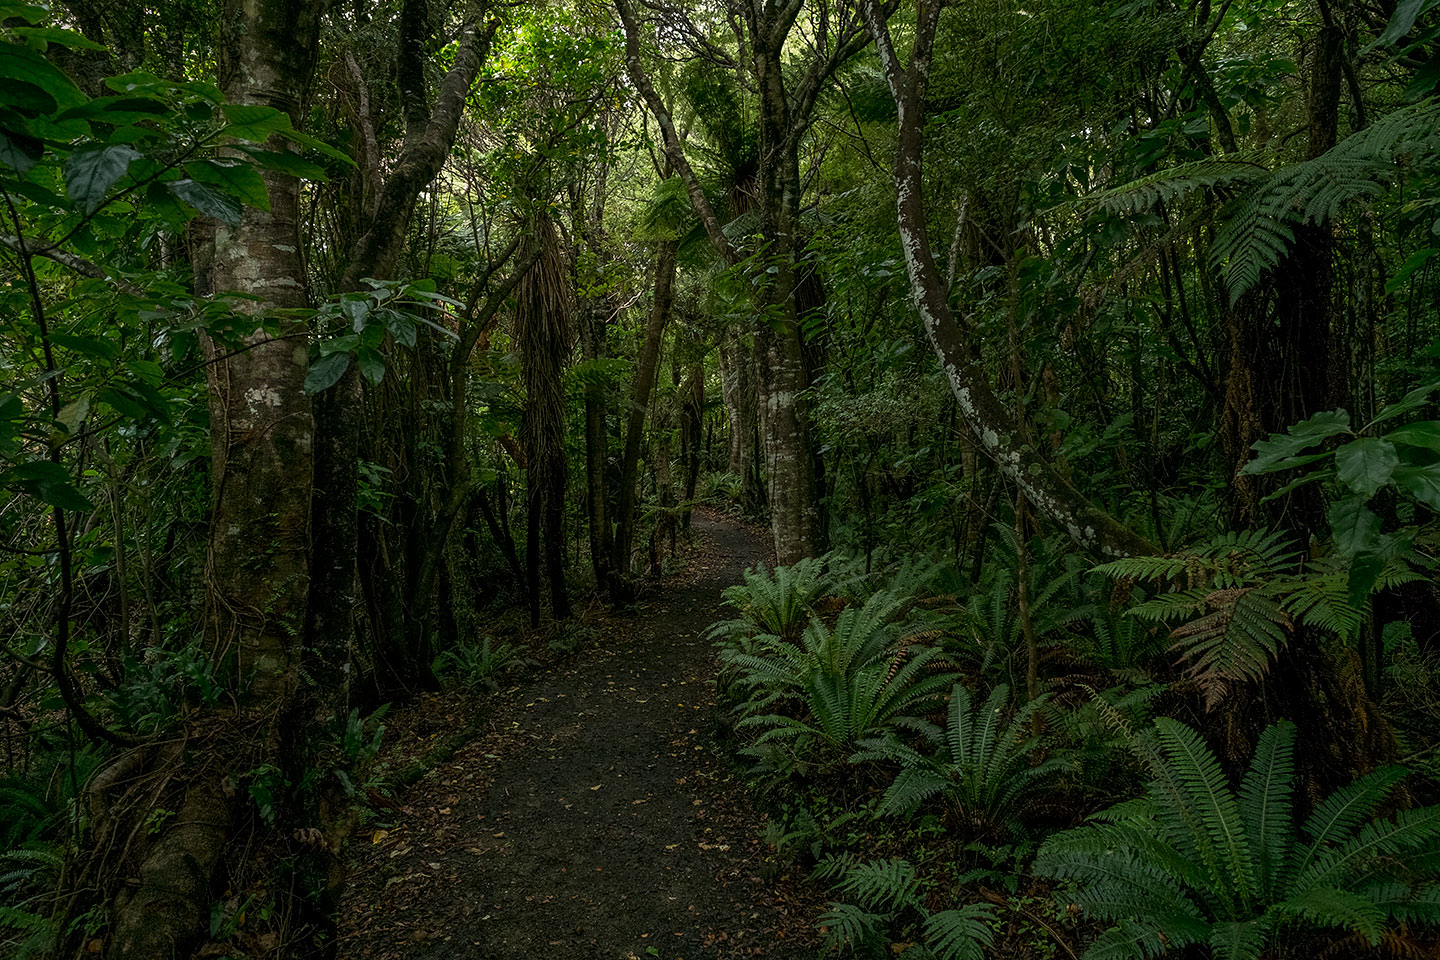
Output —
(49, 482)
(118, 110)
(73, 414)
(29, 12)
(319, 146)
(27, 99)
(285, 162)
(1411, 401)
(38, 37)
(208, 200)
(1423, 483)
(326, 371)
(91, 170)
(22, 64)
(1303, 435)
(372, 367)
(240, 180)
(20, 152)
(356, 310)
(1401, 21)
(343, 344)
(89, 346)
(1425, 434)
(1364, 573)
(1366, 465)
(401, 327)
(253, 122)
(1352, 524)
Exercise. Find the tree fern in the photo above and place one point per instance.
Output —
(1258, 230)
(1196, 862)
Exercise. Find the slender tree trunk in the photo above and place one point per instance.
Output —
(995, 430)
(593, 331)
(646, 367)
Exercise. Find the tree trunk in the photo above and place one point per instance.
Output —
(646, 366)
(543, 337)
(995, 430)
(262, 463)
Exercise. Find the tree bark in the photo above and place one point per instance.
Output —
(262, 462)
(646, 366)
(994, 429)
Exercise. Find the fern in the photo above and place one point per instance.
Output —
(1176, 182)
(887, 893)
(961, 934)
(838, 685)
(1197, 862)
(982, 770)
(1259, 227)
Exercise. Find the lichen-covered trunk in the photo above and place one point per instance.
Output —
(262, 444)
(995, 430)
(795, 519)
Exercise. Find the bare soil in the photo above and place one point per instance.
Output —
(597, 817)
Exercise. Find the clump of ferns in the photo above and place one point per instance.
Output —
(988, 766)
(1231, 604)
(1196, 861)
(885, 900)
(813, 700)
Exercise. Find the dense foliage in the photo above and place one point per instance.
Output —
(1082, 357)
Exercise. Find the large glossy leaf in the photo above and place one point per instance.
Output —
(326, 372)
(207, 200)
(254, 123)
(91, 170)
(1423, 483)
(237, 179)
(1353, 525)
(1366, 465)
(1271, 453)
(1425, 434)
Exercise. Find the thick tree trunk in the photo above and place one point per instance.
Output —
(262, 440)
(543, 336)
(646, 366)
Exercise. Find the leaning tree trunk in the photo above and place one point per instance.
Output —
(995, 430)
(262, 442)
(543, 337)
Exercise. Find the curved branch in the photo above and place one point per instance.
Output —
(997, 432)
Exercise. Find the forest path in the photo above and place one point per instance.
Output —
(597, 819)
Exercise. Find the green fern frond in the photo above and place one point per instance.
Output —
(1175, 183)
(964, 933)
(1266, 806)
(848, 927)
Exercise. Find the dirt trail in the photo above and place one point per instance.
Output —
(596, 820)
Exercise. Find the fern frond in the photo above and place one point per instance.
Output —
(1265, 802)
(961, 934)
